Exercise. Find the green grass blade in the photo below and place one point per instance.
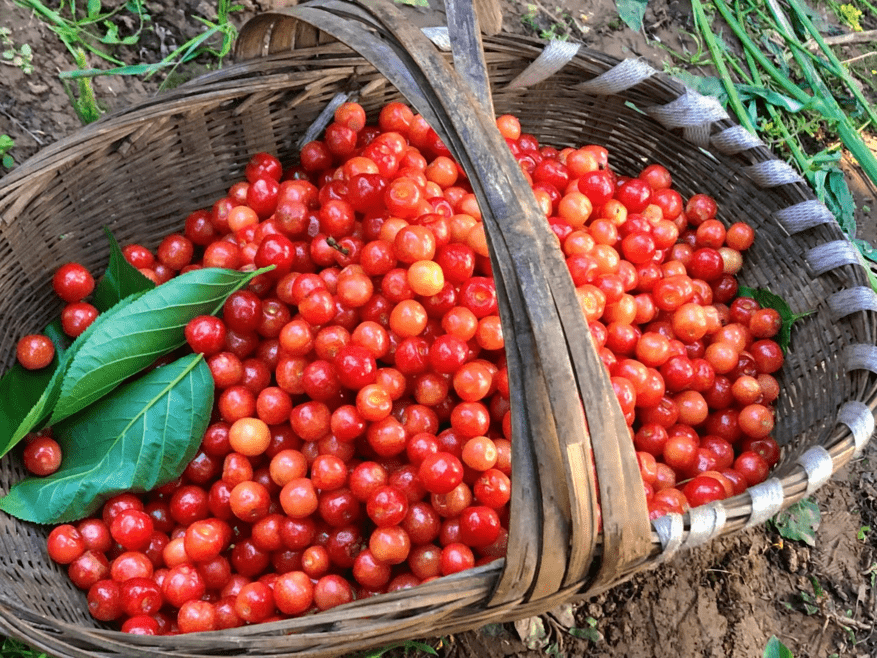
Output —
(752, 48)
(702, 24)
(830, 107)
(840, 69)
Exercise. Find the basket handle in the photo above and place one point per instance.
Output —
(553, 365)
(276, 31)
(468, 51)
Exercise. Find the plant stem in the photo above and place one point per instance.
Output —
(750, 46)
(841, 71)
(847, 132)
(868, 5)
(733, 98)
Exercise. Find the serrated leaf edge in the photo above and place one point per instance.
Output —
(32, 419)
(77, 373)
(63, 516)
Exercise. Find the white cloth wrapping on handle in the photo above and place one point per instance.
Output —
(554, 57)
(626, 74)
(735, 139)
(669, 529)
(831, 255)
(439, 36)
(860, 419)
(804, 215)
(819, 466)
(767, 500)
(772, 173)
(852, 300)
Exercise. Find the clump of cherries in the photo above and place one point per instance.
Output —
(361, 434)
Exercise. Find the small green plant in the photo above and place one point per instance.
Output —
(632, 13)
(559, 28)
(589, 632)
(700, 56)
(20, 56)
(193, 48)
(775, 57)
(872, 571)
(6, 144)
(848, 14)
(554, 649)
(862, 534)
(776, 649)
(93, 29)
(799, 522)
(84, 101)
(96, 32)
(811, 604)
(15, 649)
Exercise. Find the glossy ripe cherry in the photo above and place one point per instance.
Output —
(140, 596)
(478, 294)
(65, 544)
(183, 583)
(96, 535)
(298, 498)
(479, 526)
(42, 456)
(250, 501)
(387, 506)
(72, 282)
(205, 334)
(254, 603)
(293, 593)
(262, 195)
(492, 488)
(752, 466)
(768, 356)
(441, 472)
(132, 529)
(390, 544)
(456, 557)
(204, 540)
(77, 317)
(331, 591)
(89, 568)
(175, 251)
(703, 489)
(242, 311)
(131, 564)
(35, 351)
(355, 367)
(263, 165)
(105, 600)
(634, 194)
(328, 472)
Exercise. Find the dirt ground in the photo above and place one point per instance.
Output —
(724, 600)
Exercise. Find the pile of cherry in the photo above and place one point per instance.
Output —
(361, 433)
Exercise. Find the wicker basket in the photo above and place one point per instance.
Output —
(142, 170)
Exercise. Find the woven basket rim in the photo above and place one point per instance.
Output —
(225, 85)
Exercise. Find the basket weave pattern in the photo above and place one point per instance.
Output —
(140, 171)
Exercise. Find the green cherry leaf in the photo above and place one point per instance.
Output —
(776, 649)
(767, 299)
(21, 389)
(137, 438)
(120, 279)
(28, 397)
(150, 327)
(799, 521)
